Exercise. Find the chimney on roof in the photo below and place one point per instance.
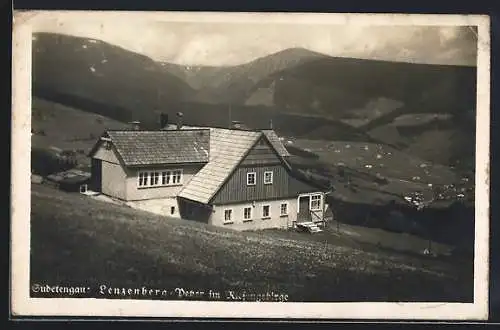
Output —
(271, 124)
(135, 125)
(179, 120)
(163, 120)
(235, 124)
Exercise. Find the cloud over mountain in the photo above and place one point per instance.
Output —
(236, 43)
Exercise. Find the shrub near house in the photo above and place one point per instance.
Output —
(46, 161)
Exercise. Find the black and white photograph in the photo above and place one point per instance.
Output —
(263, 165)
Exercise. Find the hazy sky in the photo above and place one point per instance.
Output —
(230, 43)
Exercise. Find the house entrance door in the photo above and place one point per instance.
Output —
(304, 213)
(96, 172)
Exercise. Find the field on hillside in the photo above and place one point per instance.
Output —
(76, 240)
(377, 158)
(67, 127)
(376, 174)
(58, 126)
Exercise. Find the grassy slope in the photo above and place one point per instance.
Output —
(384, 160)
(363, 162)
(438, 137)
(75, 239)
(67, 128)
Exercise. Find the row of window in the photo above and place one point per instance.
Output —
(248, 212)
(252, 178)
(174, 177)
(159, 178)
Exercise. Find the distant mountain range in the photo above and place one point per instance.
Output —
(302, 79)
(235, 84)
(102, 78)
(303, 93)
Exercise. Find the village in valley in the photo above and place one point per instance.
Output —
(282, 178)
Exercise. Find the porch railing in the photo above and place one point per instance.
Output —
(315, 217)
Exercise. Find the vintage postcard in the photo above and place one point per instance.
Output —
(250, 165)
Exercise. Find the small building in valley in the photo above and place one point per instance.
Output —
(234, 178)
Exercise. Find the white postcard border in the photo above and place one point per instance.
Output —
(23, 305)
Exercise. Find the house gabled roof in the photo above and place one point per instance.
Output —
(227, 149)
(136, 147)
(275, 141)
(270, 134)
(221, 149)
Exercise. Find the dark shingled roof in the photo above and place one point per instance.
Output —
(269, 133)
(161, 147)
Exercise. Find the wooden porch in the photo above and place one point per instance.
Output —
(311, 212)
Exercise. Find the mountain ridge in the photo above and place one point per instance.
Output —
(78, 70)
(286, 87)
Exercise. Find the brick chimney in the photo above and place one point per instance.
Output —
(179, 120)
(135, 125)
(235, 124)
(163, 120)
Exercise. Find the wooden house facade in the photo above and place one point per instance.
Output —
(224, 177)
